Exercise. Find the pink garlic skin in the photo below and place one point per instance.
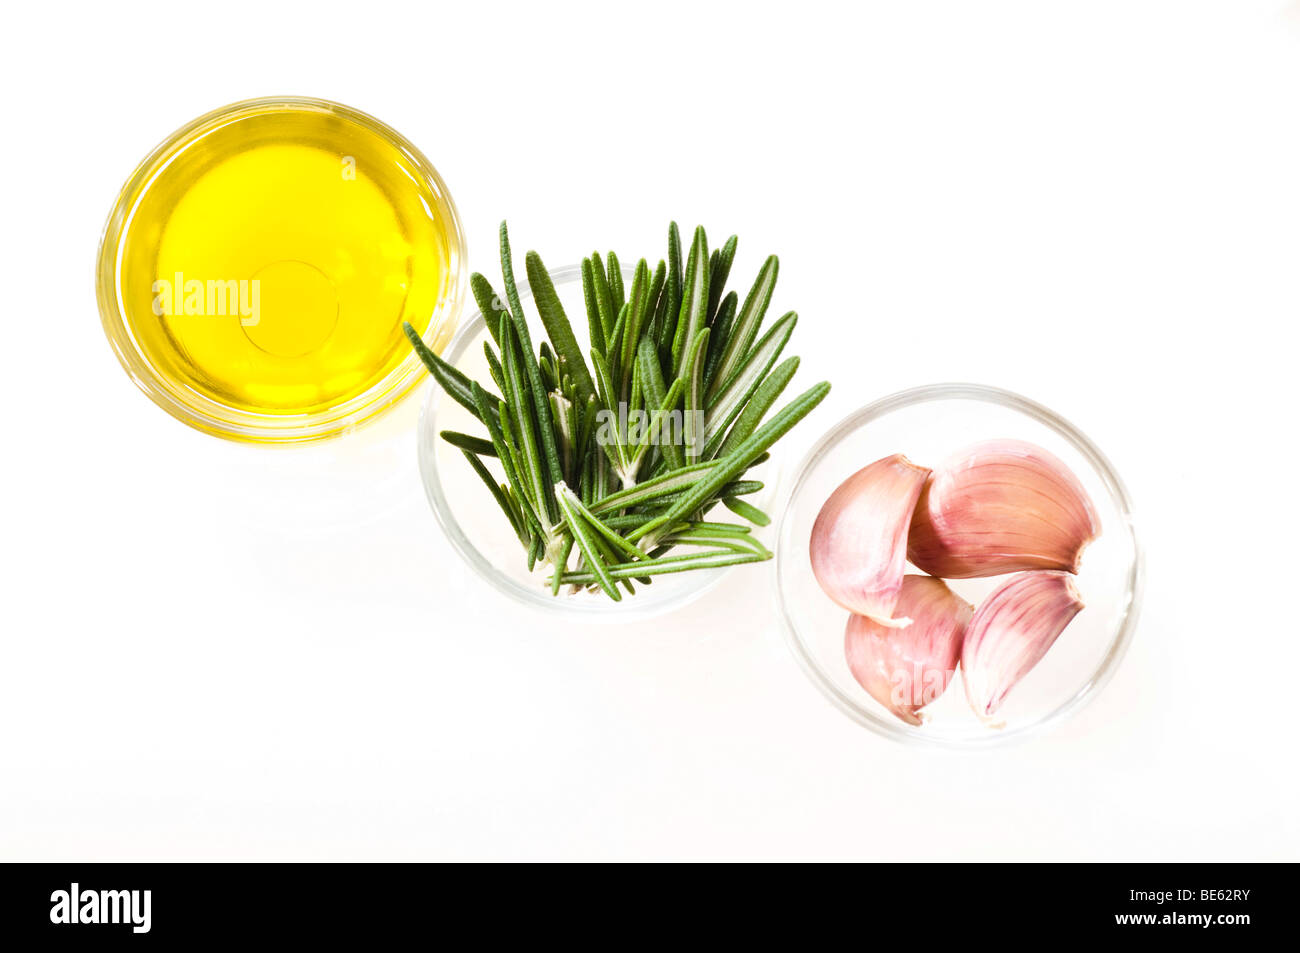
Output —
(906, 669)
(858, 546)
(1012, 630)
(1001, 506)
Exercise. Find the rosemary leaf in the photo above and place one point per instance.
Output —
(693, 315)
(615, 349)
(541, 407)
(722, 324)
(451, 380)
(519, 403)
(716, 529)
(470, 443)
(604, 300)
(566, 547)
(746, 511)
(666, 564)
(734, 488)
(696, 436)
(652, 377)
(730, 400)
(638, 304)
(732, 541)
(494, 362)
(747, 322)
(614, 447)
(674, 481)
(658, 282)
(558, 328)
(595, 330)
(719, 270)
(546, 367)
(615, 272)
(489, 304)
(674, 276)
(758, 405)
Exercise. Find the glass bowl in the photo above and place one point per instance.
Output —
(382, 244)
(927, 424)
(475, 525)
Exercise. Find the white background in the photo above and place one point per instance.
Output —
(219, 651)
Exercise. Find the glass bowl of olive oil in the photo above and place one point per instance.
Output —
(256, 269)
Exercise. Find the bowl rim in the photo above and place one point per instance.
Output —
(634, 609)
(1120, 641)
(212, 416)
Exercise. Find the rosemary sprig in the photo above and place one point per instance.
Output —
(611, 457)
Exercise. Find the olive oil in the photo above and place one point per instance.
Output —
(266, 260)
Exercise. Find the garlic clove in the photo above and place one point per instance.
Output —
(1012, 630)
(906, 669)
(859, 539)
(1001, 506)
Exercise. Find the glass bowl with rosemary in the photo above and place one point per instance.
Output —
(598, 439)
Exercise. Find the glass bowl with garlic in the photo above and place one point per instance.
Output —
(957, 566)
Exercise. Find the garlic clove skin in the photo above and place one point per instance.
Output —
(1012, 630)
(906, 669)
(858, 545)
(1001, 506)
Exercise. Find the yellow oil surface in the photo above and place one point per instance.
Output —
(271, 261)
